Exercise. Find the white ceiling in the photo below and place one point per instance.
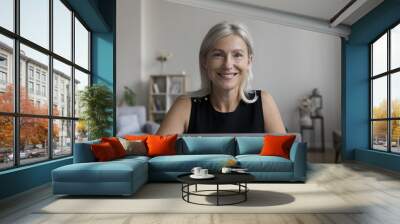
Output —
(318, 9)
(312, 15)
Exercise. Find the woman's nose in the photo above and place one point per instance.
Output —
(228, 63)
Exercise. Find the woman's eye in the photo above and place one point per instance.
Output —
(238, 55)
(217, 55)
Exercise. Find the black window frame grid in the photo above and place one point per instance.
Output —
(16, 115)
(388, 74)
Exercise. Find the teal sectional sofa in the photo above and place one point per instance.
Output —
(125, 176)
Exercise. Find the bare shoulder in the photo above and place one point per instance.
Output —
(183, 99)
(177, 118)
(266, 97)
(182, 102)
(272, 118)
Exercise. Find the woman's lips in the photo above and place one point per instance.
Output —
(227, 75)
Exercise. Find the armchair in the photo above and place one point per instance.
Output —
(132, 120)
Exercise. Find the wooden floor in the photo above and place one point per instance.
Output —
(377, 188)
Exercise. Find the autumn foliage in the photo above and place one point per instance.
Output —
(33, 130)
(380, 127)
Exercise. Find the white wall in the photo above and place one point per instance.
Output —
(289, 62)
(129, 42)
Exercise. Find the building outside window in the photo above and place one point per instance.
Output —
(30, 72)
(3, 61)
(3, 72)
(43, 90)
(38, 89)
(37, 74)
(44, 77)
(30, 87)
(3, 77)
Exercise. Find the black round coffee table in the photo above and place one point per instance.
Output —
(238, 179)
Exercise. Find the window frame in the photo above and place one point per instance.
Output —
(388, 74)
(16, 115)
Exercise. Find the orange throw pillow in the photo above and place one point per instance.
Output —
(116, 145)
(159, 145)
(103, 152)
(277, 145)
(135, 137)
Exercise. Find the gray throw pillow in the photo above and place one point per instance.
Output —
(134, 147)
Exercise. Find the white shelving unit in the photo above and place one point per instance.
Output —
(163, 90)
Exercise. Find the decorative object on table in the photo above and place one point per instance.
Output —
(162, 58)
(237, 170)
(231, 163)
(196, 170)
(229, 166)
(129, 97)
(200, 173)
(316, 100)
(96, 102)
(310, 110)
(305, 109)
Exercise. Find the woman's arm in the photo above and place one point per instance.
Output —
(272, 118)
(177, 119)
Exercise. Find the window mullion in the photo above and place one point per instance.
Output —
(50, 77)
(388, 95)
(371, 137)
(16, 84)
(73, 82)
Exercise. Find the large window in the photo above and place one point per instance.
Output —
(385, 91)
(44, 64)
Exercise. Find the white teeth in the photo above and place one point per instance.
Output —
(228, 75)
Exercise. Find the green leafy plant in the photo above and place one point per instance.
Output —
(129, 96)
(96, 102)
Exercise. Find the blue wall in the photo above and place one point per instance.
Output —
(99, 15)
(355, 86)
(103, 52)
(24, 178)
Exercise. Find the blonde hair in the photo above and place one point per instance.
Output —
(217, 32)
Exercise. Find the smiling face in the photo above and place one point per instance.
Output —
(228, 62)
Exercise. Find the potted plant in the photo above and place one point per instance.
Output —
(129, 96)
(96, 102)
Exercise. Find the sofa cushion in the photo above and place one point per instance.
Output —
(277, 145)
(136, 137)
(207, 145)
(83, 152)
(249, 145)
(159, 145)
(257, 163)
(134, 147)
(103, 152)
(116, 145)
(185, 163)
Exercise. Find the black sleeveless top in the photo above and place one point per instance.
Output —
(247, 117)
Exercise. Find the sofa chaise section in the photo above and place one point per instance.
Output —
(87, 177)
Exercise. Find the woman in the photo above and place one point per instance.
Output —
(225, 104)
